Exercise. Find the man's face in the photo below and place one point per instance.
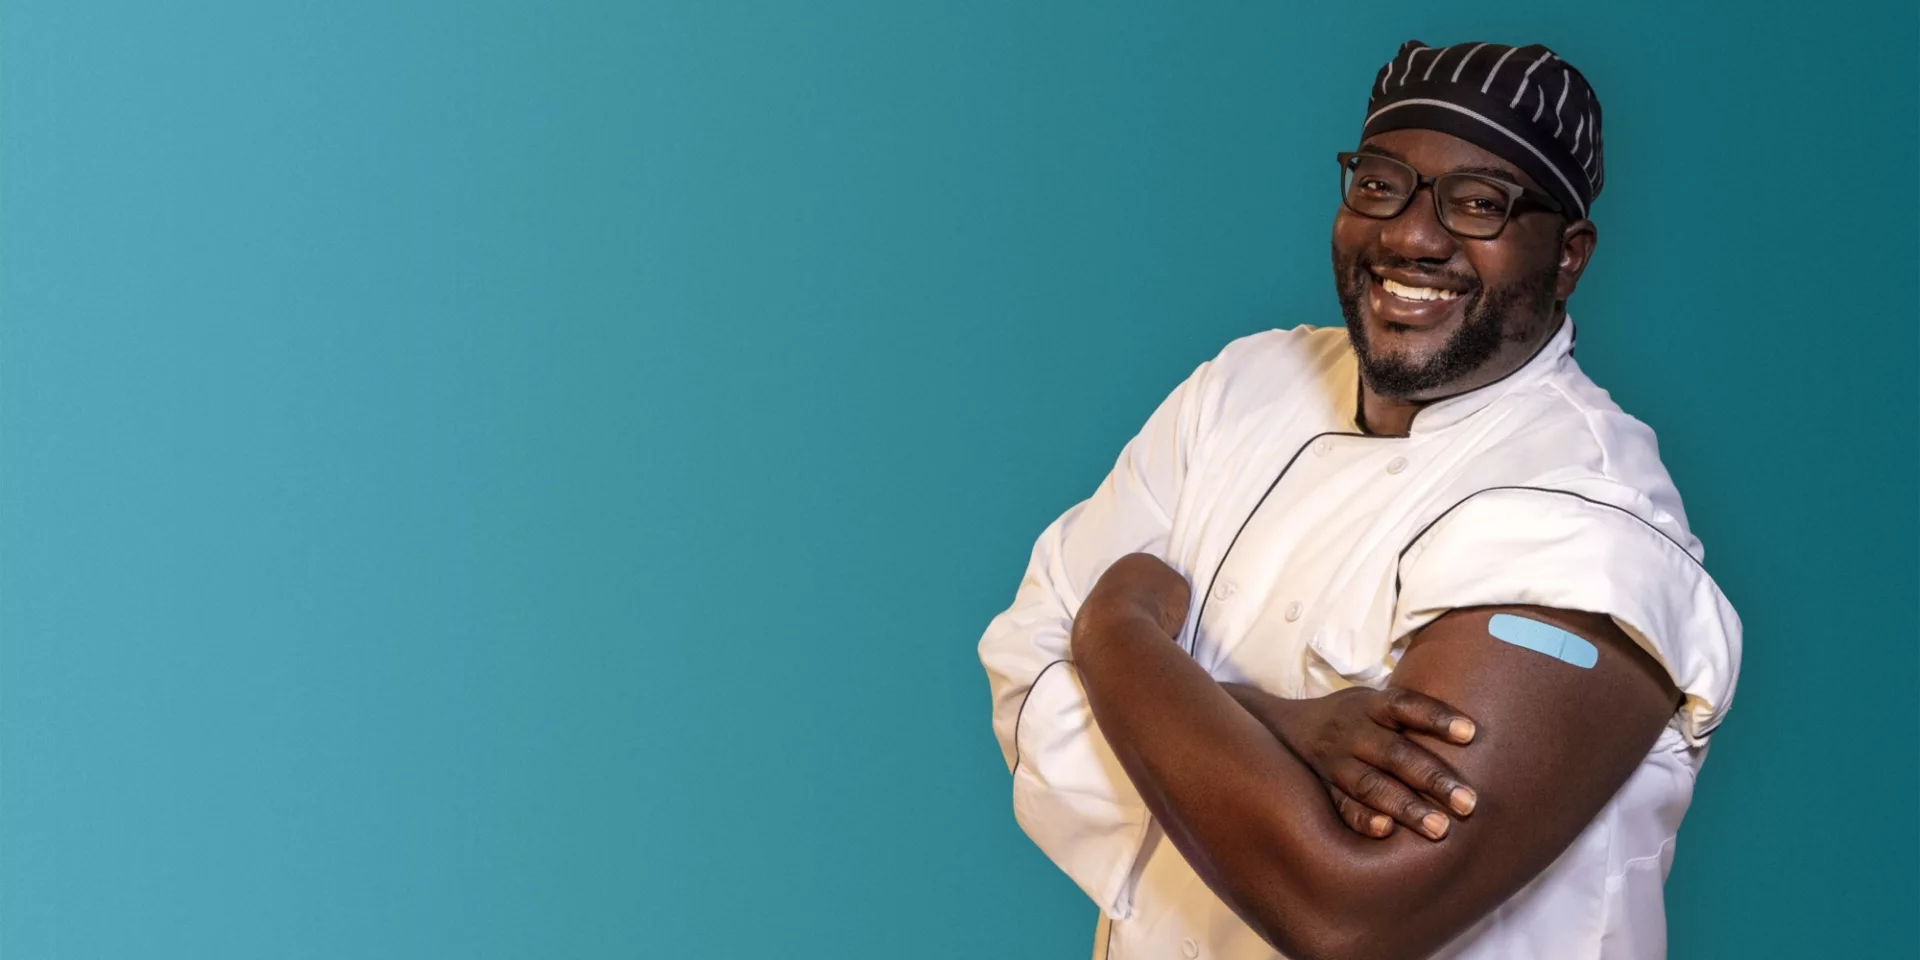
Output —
(1498, 296)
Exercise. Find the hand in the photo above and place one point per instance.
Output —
(1355, 740)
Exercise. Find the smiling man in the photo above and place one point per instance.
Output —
(1390, 641)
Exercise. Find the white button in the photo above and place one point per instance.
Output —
(1189, 948)
(1321, 446)
(1293, 610)
(1223, 589)
(1397, 464)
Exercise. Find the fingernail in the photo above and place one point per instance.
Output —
(1436, 824)
(1461, 730)
(1379, 823)
(1463, 800)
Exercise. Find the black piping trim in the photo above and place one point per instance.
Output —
(1198, 618)
(1023, 708)
(1359, 415)
(1564, 493)
(1573, 336)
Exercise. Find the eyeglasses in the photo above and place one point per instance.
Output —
(1470, 205)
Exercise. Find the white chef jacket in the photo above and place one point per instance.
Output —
(1315, 551)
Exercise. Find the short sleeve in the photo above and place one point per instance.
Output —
(1555, 548)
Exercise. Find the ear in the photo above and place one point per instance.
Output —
(1577, 240)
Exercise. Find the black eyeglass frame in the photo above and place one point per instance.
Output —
(1515, 194)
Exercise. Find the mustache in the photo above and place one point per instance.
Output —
(1363, 264)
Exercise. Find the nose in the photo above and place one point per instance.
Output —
(1416, 234)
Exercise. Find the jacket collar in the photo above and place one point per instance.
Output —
(1448, 411)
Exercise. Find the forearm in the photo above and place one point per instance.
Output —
(1554, 741)
(1250, 818)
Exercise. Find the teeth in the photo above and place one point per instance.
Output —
(1405, 292)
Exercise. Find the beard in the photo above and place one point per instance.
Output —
(1492, 317)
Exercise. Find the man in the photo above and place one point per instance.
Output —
(1391, 642)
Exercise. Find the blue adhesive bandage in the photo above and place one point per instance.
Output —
(1544, 638)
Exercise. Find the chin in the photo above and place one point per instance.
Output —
(1406, 343)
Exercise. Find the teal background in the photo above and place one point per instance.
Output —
(485, 480)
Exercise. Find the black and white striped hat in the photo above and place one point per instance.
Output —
(1523, 103)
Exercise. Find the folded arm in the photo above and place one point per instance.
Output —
(1069, 793)
(1555, 741)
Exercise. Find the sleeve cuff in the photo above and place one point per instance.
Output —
(1071, 796)
(1553, 548)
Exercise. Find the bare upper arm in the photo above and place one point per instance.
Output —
(1555, 741)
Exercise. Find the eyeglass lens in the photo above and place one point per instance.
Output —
(1470, 205)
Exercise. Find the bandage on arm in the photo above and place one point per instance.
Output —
(1555, 742)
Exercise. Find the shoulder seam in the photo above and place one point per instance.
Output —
(1424, 530)
(1394, 607)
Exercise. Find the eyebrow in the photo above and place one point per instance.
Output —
(1494, 172)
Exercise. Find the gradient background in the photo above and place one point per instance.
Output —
(485, 480)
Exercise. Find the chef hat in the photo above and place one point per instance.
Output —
(1524, 104)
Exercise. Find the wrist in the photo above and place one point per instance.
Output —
(1103, 620)
(1146, 586)
(1139, 592)
(1277, 714)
